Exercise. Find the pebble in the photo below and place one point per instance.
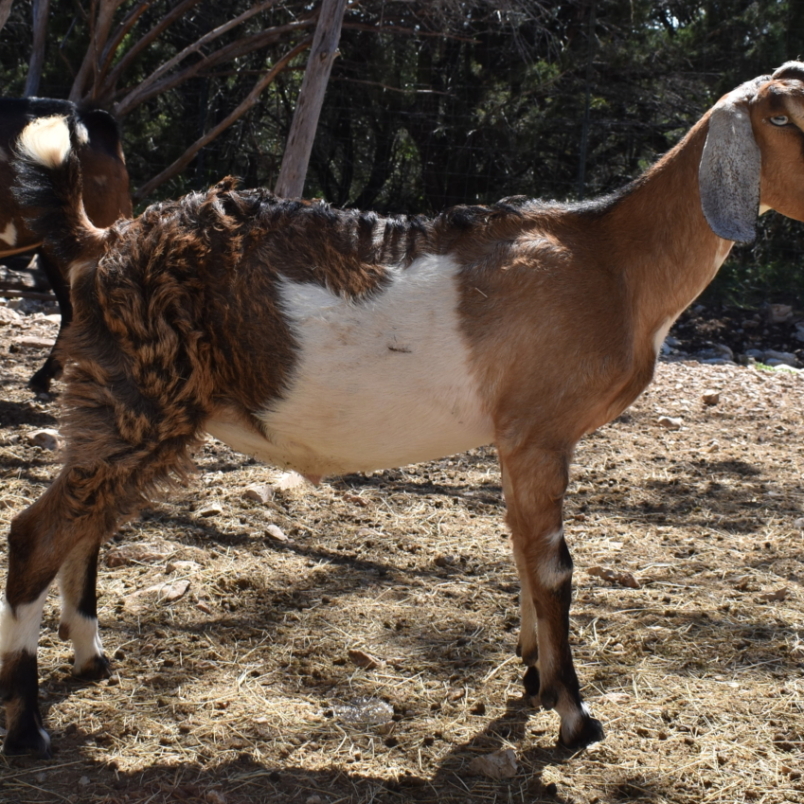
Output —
(275, 532)
(499, 765)
(46, 439)
(259, 492)
(669, 422)
(210, 509)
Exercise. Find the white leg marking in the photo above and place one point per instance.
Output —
(551, 572)
(84, 635)
(20, 630)
(9, 234)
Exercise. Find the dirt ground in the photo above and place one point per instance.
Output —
(354, 642)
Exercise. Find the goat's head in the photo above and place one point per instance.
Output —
(754, 154)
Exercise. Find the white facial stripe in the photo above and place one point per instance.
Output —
(21, 632)
(9, 234)
(380, 382)
(84, 635)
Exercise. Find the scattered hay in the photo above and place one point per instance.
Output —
(399, 588)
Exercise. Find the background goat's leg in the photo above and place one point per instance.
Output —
(79, 613)
(534, 482)
(51, 370)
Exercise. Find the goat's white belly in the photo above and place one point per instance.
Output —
(381, 382)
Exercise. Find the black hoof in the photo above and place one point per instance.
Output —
(95, 669)
(40, 382)
(531, 681)
(590, 731)
(27, 738)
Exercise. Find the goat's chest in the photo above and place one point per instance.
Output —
(377, 382)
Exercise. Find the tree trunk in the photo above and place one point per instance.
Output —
(311, 96)
(35, 65)
(5, 10)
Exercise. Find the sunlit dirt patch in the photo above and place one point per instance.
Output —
(288, 610)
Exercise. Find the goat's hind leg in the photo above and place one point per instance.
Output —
(535, 481)
(79, 613)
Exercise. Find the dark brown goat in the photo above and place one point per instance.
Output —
(337, 341)
(106, 196)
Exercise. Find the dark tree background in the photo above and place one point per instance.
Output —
(438, 102)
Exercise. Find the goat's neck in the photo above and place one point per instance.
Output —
(664, 243)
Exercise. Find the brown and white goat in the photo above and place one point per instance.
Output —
(106, 198)
(337, 341)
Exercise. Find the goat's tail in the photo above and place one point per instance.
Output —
(49, 189)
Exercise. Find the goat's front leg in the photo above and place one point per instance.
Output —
(534, 482)
(37, 543)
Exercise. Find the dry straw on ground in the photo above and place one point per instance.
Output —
(274, 619)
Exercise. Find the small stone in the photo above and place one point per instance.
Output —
(366, 660)
(669, 423)
(778, 313)
(202, 605)
(799, 523)
(772, 597)
(33, 342)
(780, 358)
(259, 493)
(214, 797)
(46, 439)
(275, 532)
(136, 553)
(288, 481)
(314, 799)
(9, 316)
(615, 576)
(157, 594)
(84, 781)
(499, 765)
(182, 566)
(213, 508)
(710, 397)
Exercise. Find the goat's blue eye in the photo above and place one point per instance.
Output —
(779, 120)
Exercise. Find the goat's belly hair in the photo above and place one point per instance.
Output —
(378, 382)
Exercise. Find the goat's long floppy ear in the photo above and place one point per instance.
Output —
(729, 174)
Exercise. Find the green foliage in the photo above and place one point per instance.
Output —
(437, 103)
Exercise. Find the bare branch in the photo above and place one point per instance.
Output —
(196, 46)
(101, 25)
(166, 21)
(250, 101)
(143, 91)
(125, 26)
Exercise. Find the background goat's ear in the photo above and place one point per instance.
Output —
(729, 174)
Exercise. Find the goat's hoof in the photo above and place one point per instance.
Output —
(95, 669)
(27, 738)
(590, 731)
(531, 681)
(39, 383)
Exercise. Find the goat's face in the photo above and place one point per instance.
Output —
(777, 119)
